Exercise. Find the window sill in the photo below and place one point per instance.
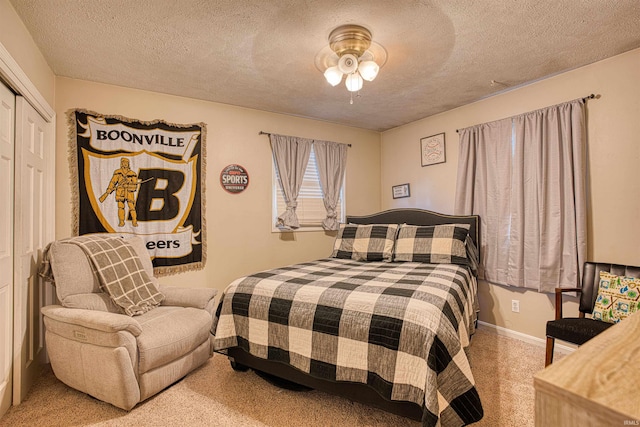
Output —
(302, 229)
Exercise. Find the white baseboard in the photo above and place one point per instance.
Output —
(538, 342)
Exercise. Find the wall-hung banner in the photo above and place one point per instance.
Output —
(142, 178)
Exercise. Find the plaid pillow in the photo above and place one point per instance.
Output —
(433, 244)
(371, 242)
(618, 297)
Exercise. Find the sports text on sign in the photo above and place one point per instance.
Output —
(234, 179)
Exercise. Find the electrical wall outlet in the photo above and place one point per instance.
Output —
(515, 305)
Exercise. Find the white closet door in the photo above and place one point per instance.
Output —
(7, 121)
(34, 187)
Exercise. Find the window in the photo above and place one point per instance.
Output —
(311, 211)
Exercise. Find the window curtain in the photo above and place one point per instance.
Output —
(291, 155)
(525, 176)
(331, 160)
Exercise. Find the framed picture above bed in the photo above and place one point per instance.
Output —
(432, 149)
(400, 191)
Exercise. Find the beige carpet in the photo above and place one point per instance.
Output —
(215, 395)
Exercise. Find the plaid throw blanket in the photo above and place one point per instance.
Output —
(401, 328)
(119, 270)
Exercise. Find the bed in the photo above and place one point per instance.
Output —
(386, 320)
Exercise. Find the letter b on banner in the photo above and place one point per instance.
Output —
(157, 199)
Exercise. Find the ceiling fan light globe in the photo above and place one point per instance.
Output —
(353, 82)
(348, 63)
(333, 76)
(368, 70)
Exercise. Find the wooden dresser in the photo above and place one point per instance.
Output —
(597, 385)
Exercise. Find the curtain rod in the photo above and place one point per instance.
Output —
(592, 96)
(267, 133)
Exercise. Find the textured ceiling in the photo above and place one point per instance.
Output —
(260, 54)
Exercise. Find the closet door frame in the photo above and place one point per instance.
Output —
(7, 161)
(17, 80)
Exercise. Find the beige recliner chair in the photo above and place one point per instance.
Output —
(123, 360)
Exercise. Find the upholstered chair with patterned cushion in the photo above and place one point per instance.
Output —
(122, 352)
(609, 293)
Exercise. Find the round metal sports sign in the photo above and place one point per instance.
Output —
(234, 179)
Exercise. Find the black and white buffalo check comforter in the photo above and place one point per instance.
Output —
(402, 328)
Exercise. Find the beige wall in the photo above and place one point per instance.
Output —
(239, 234)
(613, 158)
(18, 42)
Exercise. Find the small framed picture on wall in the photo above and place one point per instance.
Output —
(432, 149)
(400, 191)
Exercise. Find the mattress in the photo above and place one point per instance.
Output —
(402, 328)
